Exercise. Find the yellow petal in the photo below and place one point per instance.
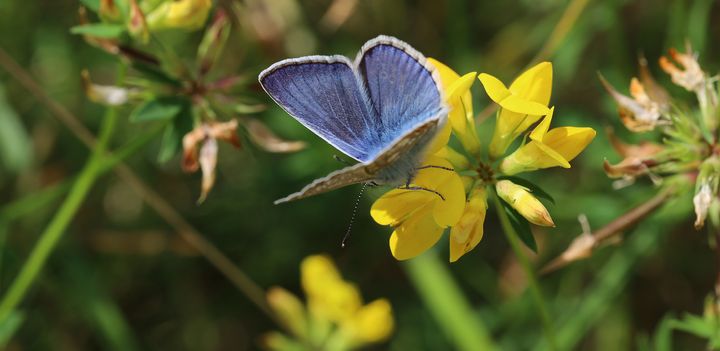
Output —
(468, 232)
(371, 324)
(458, 160)
(539, 132)
(447, 75)
(289, 309)
(440, 140)
(457, 93)
(531, 156)
(415, 236)
(315, 272)
(535, 84)
(458, 111)
(517, 104)
(569, 141)
(337, 302)
(530, 94)
(508, 127)
(448, 183)
(396, 205)
(496, 90)
(460, 86)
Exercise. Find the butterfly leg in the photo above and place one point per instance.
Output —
(409, 187)
(438, 167)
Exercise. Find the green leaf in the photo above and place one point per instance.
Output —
(155, 74)
(172, 137)
(243, 108)
(100, 30)
(694, 325)
(536, 190)
(15, 145)
(663, 335)
(9, 326)
(93, 5)
(521, 226)
(159, 109)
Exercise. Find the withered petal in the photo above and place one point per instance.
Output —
(262, 136)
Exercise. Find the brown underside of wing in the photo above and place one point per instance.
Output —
(360, 173)
(349, 175)
(402, 146)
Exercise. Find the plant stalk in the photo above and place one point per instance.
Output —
(447, 304)
(55, 229)
(535, 292)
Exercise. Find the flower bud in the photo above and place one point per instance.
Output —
(137, 27)
(180, 14)
(109, 12)
(468, 231)
(524, 203)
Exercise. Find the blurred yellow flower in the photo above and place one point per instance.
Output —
(420, 216)
(179, 14)
(545, 149)
(335, 318)
(521, 105)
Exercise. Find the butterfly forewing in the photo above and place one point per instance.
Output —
(322, 93)
(400, 82)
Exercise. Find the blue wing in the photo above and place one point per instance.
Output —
(324, 94)
(401, 86)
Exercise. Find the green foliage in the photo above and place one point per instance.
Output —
(158, 109)
(15, 145)
(521, 226)
(100, 30)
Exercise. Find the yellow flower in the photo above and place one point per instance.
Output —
(419, 216)
(545, 149)
(524, 203)
(329, 296)
(179, 14)
(371, 324)
(289, 310)
(468, 231)
(459, 98)
(521, 105)
(337, 318)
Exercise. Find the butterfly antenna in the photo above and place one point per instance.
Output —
(345, 162)
(352, 218)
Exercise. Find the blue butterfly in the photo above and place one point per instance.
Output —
(382, 110)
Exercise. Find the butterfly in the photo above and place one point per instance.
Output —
(383, 109)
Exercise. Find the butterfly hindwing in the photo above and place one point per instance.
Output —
(401, 84)
(362, 172)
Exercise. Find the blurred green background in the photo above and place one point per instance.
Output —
(122, 279)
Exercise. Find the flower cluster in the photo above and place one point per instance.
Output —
(197, 106)
(419, 218)
(335, 317)
(689, 153)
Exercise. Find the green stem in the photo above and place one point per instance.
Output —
(52, 234)
(447, 304)
(534, 287)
